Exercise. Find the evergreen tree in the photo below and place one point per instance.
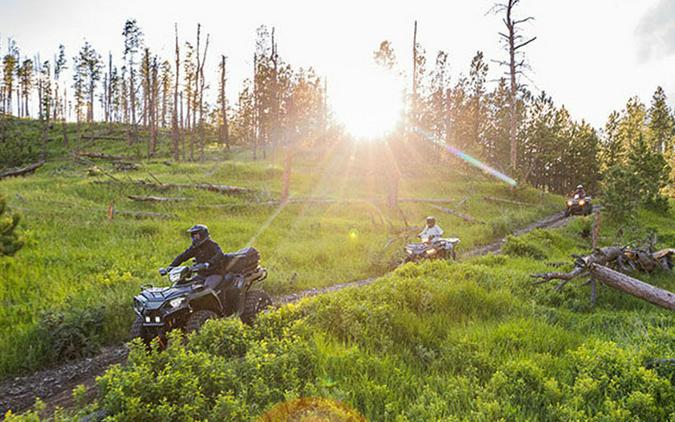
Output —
(651, 171)
(10, 242)
(612, 149)
(620, 193)
(661, 124)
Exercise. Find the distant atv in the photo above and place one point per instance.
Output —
(440, 248)
(187, 304)
(578, 206)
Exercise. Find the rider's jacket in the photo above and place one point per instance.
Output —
(431, 232)
(207, 251)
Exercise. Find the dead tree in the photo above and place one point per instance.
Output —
(174, 120)
(594, 265)
(415, 82)
(513, 42)
(224, 130)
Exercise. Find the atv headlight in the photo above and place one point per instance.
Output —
(582, 202)
(176, 302)
(569, 203)
(408, 251)
(431, 251)
(147, 319)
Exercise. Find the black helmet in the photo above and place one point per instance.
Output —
(431, 221)
(199, 233)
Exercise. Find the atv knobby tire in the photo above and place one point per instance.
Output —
(256, 301)
(137, 331)
(198, 318)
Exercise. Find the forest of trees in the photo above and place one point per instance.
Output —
(501, 122)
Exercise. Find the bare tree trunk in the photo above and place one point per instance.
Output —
(202, 137)
(632, 286)
(174, 120)
(255, 104)
(286, 177)
(195, 96)
(414, 80)
(513, 43)
(224, 130)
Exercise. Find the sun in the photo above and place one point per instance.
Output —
(368, 101)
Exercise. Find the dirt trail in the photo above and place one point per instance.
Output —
(54, 386)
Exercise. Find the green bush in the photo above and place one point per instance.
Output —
(10, 242)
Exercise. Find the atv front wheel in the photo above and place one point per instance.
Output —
(197, 319)
(567, 212)
(256, 301)
(138, 331)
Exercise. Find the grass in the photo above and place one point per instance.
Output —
(434, 341)
(71, 286)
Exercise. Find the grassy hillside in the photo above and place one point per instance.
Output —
(69, 289)
(435, 341)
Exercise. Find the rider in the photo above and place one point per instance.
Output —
(580, 191)
(431, 232)
(205, 251)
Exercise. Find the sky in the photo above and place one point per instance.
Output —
(590, 56)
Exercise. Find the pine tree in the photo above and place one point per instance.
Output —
(620, 193)
(652, 173)
(10, 242)
(661, 124)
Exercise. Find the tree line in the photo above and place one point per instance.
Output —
(504, 123)
(148, 93)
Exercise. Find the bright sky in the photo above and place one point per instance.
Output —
(589, 55)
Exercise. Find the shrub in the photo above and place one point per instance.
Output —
(517, 246)
(10, 242)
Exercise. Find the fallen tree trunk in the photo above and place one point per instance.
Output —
(140, 214)
(20, 171)
(108, 137)
(151, 198)
(429, 200)
(101, 156)
(232, 190)
(464, 217)
(632, 286)
(594, 265)
(507, 201)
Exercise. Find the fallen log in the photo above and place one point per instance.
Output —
(104, 137)
(151, 198)
(141, 214)
(423, 200)
(633, 286)
(125, 166)
(231, 190)
(464, 217)
(20, 171)
(507, 201)
(594, 265)
(101, 156)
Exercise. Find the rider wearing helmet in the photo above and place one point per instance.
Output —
(205, 251)
(580, 191)
(431, 231)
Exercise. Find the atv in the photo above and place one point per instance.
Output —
(188, 303)
(440, 248)
(578, 206)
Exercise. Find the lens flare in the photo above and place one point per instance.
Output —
(466, 157)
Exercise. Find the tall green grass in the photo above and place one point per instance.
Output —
(434, 341)
(78, 266)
